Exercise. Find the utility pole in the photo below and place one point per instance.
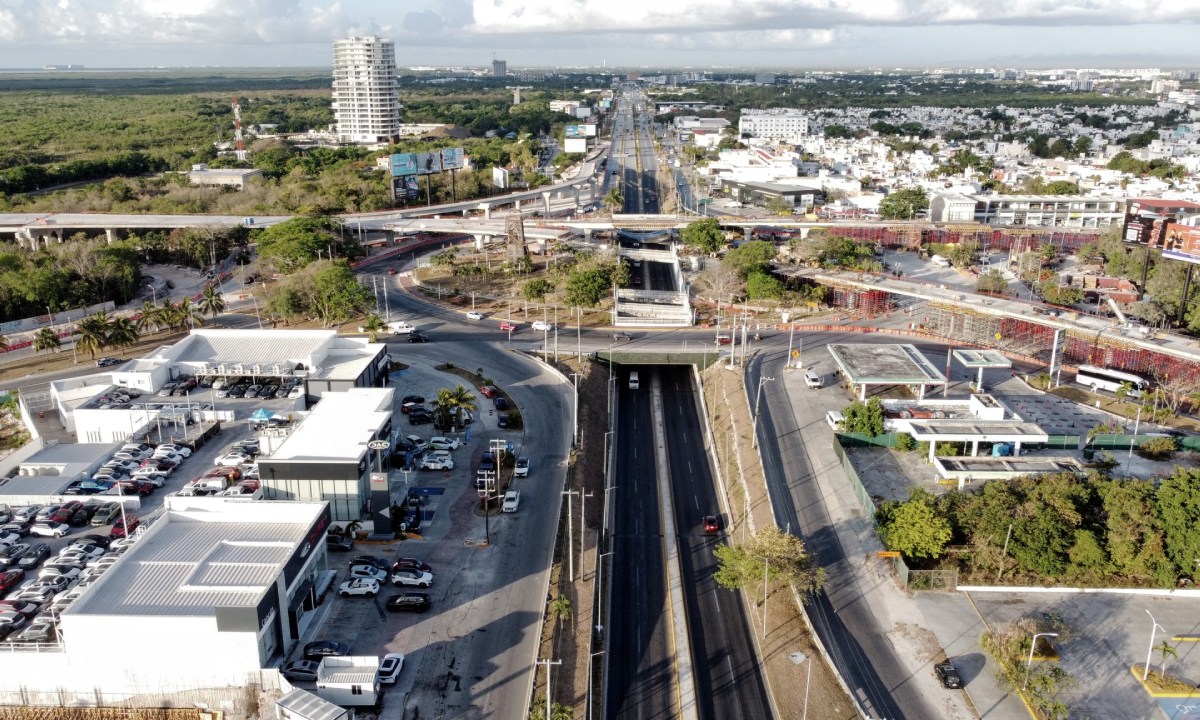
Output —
(548, 663)
(583, 527)
(570, 533)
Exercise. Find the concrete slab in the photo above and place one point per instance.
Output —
(884, 364)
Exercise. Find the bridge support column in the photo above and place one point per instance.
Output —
(592, 199)
(576, 189)
(110, 235)
(546, 199)
(482, 240)
(487, 210)
(804, 233)
(748, 232)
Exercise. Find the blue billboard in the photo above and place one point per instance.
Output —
(404, 164)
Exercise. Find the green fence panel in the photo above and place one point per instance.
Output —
(1062, 442)
(887, 440)
(860, 491)
(1112, 442)
(1191, 442)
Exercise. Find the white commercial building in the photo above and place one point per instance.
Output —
(774, 124)
(214, 591)
(366, 93)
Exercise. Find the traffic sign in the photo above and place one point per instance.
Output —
(887, 554)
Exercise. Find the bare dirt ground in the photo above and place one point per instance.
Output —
(787, 633)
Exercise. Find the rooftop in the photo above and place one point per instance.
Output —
(880, 364)
(339, 427)
(307, 705)
(982, 358)
(200, 556)
(259, 347)
(983, 430)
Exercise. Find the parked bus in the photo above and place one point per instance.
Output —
(1098, 378)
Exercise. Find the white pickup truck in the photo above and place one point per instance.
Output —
(400, 327)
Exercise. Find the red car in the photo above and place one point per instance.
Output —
(64, 513)
(392, 271)
(724, 340)
(712, 524)
(120, 530)
(10, 579)
(489, 391)
(507, 326)
(136, 487)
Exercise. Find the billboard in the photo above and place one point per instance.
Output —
(404, 164)
(574, 131)
(500, 177)
(589, 131)
(453, 159)
(575, 145)
(429, 163)
(1182, 243)
(411, 188)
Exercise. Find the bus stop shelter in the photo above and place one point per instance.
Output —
(863, 365)
(981, 360)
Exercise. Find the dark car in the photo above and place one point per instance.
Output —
(409, 602)
(500, 403)
(238, 391)
(621, 335)
(301, 670)
(369, 560)
(100, 540)
(416, 337)
(413, 399)
(339, 543)
(83, 516)
(419, 418)
(34, 556)
(10, 555)
(325, 648)
(948, 675)
(502, 421)
(411, 564)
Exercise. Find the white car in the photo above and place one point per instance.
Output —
(436, 462)
(390, 666)
(167, 456)
(834, 419)
(474, 315)
(232, 459)
(367, 572)
(183, 450)
(410, 576)
(150, 475)
(521, 469)
(359, 587)
(50, 529)
(542, 326)
(512, 499)
(444, 443)
(131, 456)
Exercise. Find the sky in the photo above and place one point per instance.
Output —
(699, 34)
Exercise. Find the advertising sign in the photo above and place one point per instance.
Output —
(404, 164)
(453, 159)
(500, 177)
(574, 131)
(589, 131)
(429, 163)
(1182, 243)
(411, 188)
(575, 145)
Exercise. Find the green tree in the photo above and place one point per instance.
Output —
(93, 332)
(992, 281)
(187, 314)
(613, 200)
(372, 326)
(211, 301)
(45, 339)
(914, 527)
(779, 206)
(864, 418)
(904, 204)
(761, 285)
(149, 317)
(704, 235)
(560, 609)
(122, 332)
(750, 257)
(1133, 533)
(1178, 504)
(782, 556)
(335, 294)
(445, 258)
(293, 244)
(587, 287)
(454, 401)
(537, 288)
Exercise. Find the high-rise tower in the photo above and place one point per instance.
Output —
(366, 95)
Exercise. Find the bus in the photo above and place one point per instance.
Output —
(1098, 378)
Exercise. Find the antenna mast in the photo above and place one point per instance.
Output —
(237, 129)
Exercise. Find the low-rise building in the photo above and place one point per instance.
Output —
(774, 124)
(223, 177)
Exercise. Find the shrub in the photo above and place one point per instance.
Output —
(1158, 448)
(905, 443)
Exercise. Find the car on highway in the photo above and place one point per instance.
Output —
(474, 315)
(948, 675)
(325, 648)
(724, 340)
(390, 666)
(405, 576)
(109, 361)
(359, 587)
(507, 326)
(712, 524)
(392, 271)
(301, 671)
(521, 469)
(409, 602)
(542, 326)
(512, 500)
(621, 335)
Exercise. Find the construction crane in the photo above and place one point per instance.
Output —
(237, 130)
(517, 92)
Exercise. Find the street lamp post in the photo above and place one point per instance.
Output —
(757, 401)
(1033, 646)
(153, 293)
(1150, 651)
(575, 414)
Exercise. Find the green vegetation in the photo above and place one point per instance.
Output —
(750, 257)
(1159, 168)
(452, 403)
(838, 251)
(292, 245)
(1086, 531)
(904, 204)
(77, 273)
(992, 281)
(704, 235)
(323, 290)
(913, 527)
(1044, 684)
(864, 418)
(781, 556)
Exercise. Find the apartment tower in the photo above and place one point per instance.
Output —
(366, 95)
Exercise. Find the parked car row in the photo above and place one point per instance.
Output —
(264, 389)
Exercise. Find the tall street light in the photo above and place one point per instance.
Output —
(757, 400)
(1153, 628)
(1033, 646)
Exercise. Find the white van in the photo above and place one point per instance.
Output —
(834, 419)
(940, 261)
(633, 380)
(400, 327)
(813, 379)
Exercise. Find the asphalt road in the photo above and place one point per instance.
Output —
(727, 671)
(641, 674)
(852, 635)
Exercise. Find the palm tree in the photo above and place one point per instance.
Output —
(212, 303)
(453, 402)
(3, 343)
(560, 608)
(93, 332)
(122, 332)
(1167, 650)
(614, 200)
(150, 316)
(45, 339)
(372, 326)
(189, 313)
